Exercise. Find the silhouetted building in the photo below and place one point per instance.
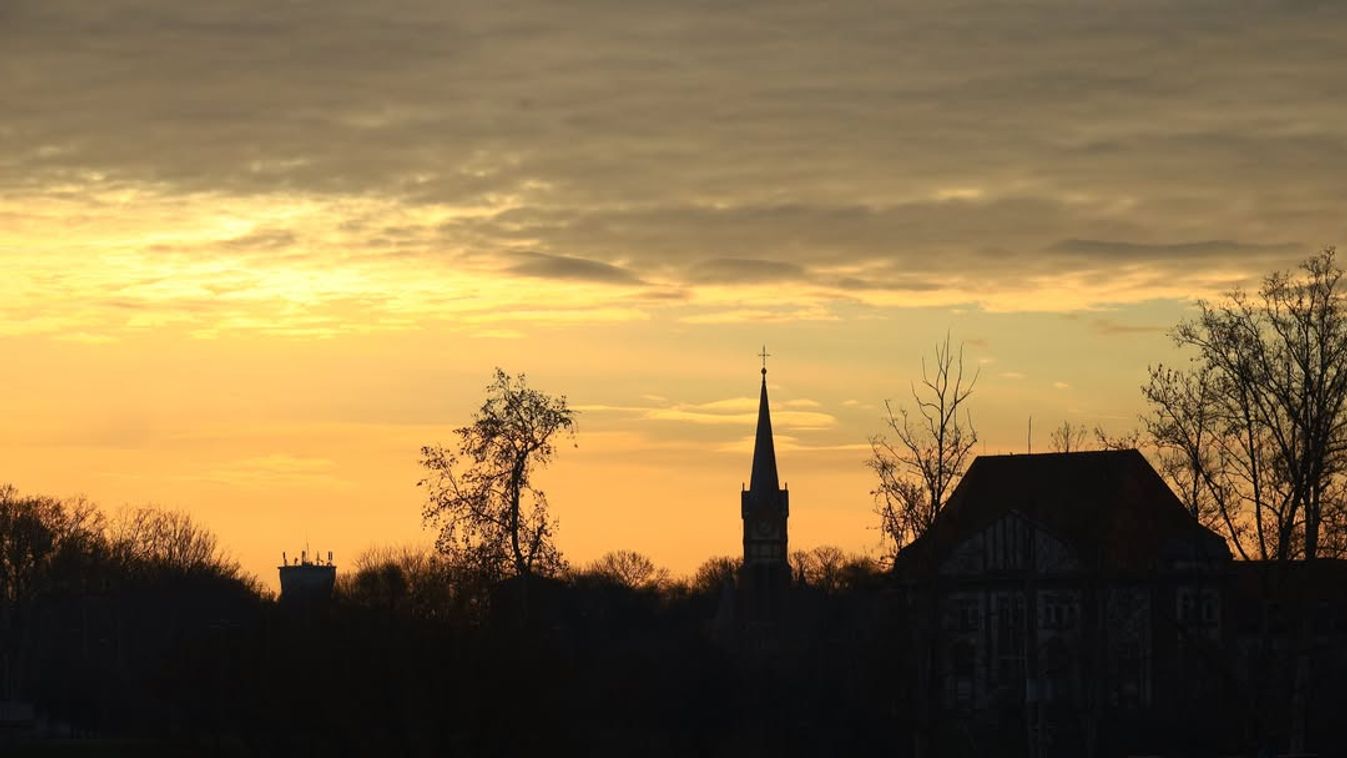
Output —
(306, 581)
(764, 575)
(1062, 594)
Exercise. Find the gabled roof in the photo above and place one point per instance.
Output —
(763, 477)
(1109, 506)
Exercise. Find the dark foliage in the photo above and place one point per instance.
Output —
(129, 646)
(151, 651)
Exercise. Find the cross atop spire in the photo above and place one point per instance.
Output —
(764, 355)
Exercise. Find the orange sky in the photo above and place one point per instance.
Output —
(275, 440)
(255, 255)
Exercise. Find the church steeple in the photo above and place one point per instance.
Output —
(763, 478)
(765, 509)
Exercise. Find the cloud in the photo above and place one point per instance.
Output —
(262, 239)
(780, 419)
(1112, 327)
(788, 444)
(744, 271)
(499, 334)
(277, 469)
(1114, 249)
(563, 267)
(831, 154)
(896, 285)
(734, 411)
(761, 316)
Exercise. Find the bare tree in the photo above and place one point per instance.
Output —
(481, 497)
(630, 569)
(1103, 440)
(1068, 438)
(919, 465)
(1198, 453)
(714, 573)
(45, 544)
(820, 568)
(1256, 428)
(152, 537)
(26, 542)
(830, 568)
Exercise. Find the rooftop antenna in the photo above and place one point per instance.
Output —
(1031, 434)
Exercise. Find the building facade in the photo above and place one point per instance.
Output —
(1060, 596)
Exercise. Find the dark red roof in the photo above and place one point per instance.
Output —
(1109, 506)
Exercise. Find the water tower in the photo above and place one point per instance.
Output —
(307, 580)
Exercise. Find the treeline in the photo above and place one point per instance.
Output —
(133, 632)
(610, 658)
(93, 608)
(426, 581)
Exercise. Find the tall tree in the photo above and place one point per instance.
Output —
(481, 496)
(1256, 427)
(150, 538)
(919, 465)
(46, 546)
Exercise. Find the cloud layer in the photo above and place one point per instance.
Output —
(709, 157)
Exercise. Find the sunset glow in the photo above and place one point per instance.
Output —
(249, 275)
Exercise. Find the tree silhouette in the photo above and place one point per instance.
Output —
(630, 569)
(150, 537)
(1259, 422)
(1256, 428)
(481, 496)
(1068, 438)
(921, 463)
(713, 573)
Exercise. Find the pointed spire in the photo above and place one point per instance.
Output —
(764, 478)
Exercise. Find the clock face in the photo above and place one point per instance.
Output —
(765, 530)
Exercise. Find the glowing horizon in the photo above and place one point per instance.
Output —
(255, 256)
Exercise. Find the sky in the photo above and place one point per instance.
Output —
(254, 255)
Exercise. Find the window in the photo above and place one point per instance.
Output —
(963, 662)
(1208, 608)
(965, 615)
(1198, 607)
(1008, 622)
(1187, 606)
(1057, 610)
(1009, 544)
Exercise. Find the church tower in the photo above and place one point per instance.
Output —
(764, 506)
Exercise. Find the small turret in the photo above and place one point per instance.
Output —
(307, 582)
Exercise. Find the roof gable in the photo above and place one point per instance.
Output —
(1109, 507)
(1010, 543)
